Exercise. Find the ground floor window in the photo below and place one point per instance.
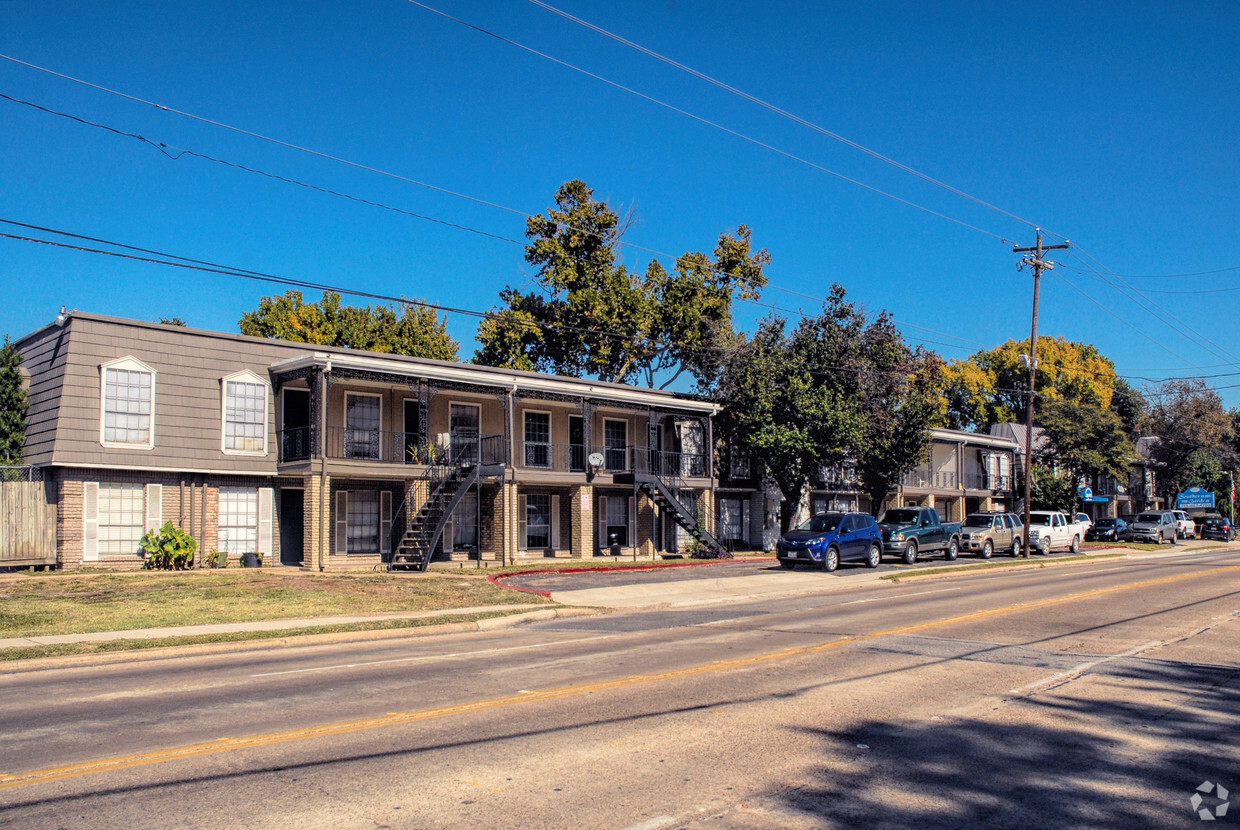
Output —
(731, 516)
(537, 521)
(239, 519)
(363, 521)
(121, 518)
(617, 518)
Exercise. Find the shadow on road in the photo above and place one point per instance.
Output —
(1062, 761)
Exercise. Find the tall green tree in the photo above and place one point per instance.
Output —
(1196, 440)
(14, 402)
(835, 389)
(591, 316)
(1083, 440)
(410, 329)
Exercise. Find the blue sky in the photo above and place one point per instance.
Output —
(1113, 124)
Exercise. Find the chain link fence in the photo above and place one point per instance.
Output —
(10, 472)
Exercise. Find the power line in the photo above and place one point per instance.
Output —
(700, 119)
(773, 108)
(165, 149)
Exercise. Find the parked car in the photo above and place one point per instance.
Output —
(1217, 527)
(985, 533)
(1050, 530)
(1185, 527)
(1084, 521)
(830, 538)
(911, 531)
(1154, 526)
(1107, 530)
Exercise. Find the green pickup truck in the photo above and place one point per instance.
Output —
(909, 532)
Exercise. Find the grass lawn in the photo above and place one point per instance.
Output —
(34, 604)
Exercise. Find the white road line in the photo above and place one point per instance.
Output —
(1076, 671)
(653, 823)
(449, 655)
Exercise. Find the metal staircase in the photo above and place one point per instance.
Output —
(657, 473)
(423, 529)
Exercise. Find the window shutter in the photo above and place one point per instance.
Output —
(342, 521)
(90, 520)
(632, 524)
(445, 541)
(522, 524)
(745, 521)
(264, 520)
(154, 506)
(721, 516)
(555, 522)
(601, 541)
(385, 521)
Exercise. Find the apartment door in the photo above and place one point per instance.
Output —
(576, 444)
(292, 526)
(463, 434)
(412, 430)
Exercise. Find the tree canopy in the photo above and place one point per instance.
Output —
(591, 316)
(990, 387)
(14, 402)
(836, 389)
(412, 330)
(1195, 436)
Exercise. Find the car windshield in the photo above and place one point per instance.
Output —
(1105, 523)
(1215, 522)
(979, 520)
(899, 517)
(1150, 517)
(822, 523)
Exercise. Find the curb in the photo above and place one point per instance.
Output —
(290, 640)
(498, 579)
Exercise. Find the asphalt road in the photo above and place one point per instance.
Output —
(1100, 693)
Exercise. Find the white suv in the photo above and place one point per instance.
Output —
(1185, 527)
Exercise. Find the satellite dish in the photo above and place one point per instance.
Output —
(595, 459)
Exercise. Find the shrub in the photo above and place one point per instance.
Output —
(168, 549)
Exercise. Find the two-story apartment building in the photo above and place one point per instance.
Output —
(328, 457)
(965, 472)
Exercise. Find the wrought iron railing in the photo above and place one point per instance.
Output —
(987, 481)
(925, 478)
(294, 444)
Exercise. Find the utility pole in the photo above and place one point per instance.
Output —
(1033, 258)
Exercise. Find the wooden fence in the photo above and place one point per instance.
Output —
(27, 525)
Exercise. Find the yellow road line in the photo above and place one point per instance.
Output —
(398, 718)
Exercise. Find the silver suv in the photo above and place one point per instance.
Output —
(1153, 526)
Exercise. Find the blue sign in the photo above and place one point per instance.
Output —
(1195, 498)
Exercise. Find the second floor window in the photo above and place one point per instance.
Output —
(537, 439)
(615, 444)
(128, 404)
(245, 416)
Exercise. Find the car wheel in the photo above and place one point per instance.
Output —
(988, 549)
(830, 560)
(910, 553)
(787, 565)
(1016, 547)
(1076, 544)
(874, 556)
(953, 549)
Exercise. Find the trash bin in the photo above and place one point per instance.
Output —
(249, 560)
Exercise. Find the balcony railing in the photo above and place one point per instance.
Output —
(387, 447)
(932, 480)
(669, 464)
(294, 444)
(987, 481)
(542, 455)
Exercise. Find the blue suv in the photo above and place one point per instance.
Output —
(830, 538)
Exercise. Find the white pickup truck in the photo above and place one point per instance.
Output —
(1050, 530)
